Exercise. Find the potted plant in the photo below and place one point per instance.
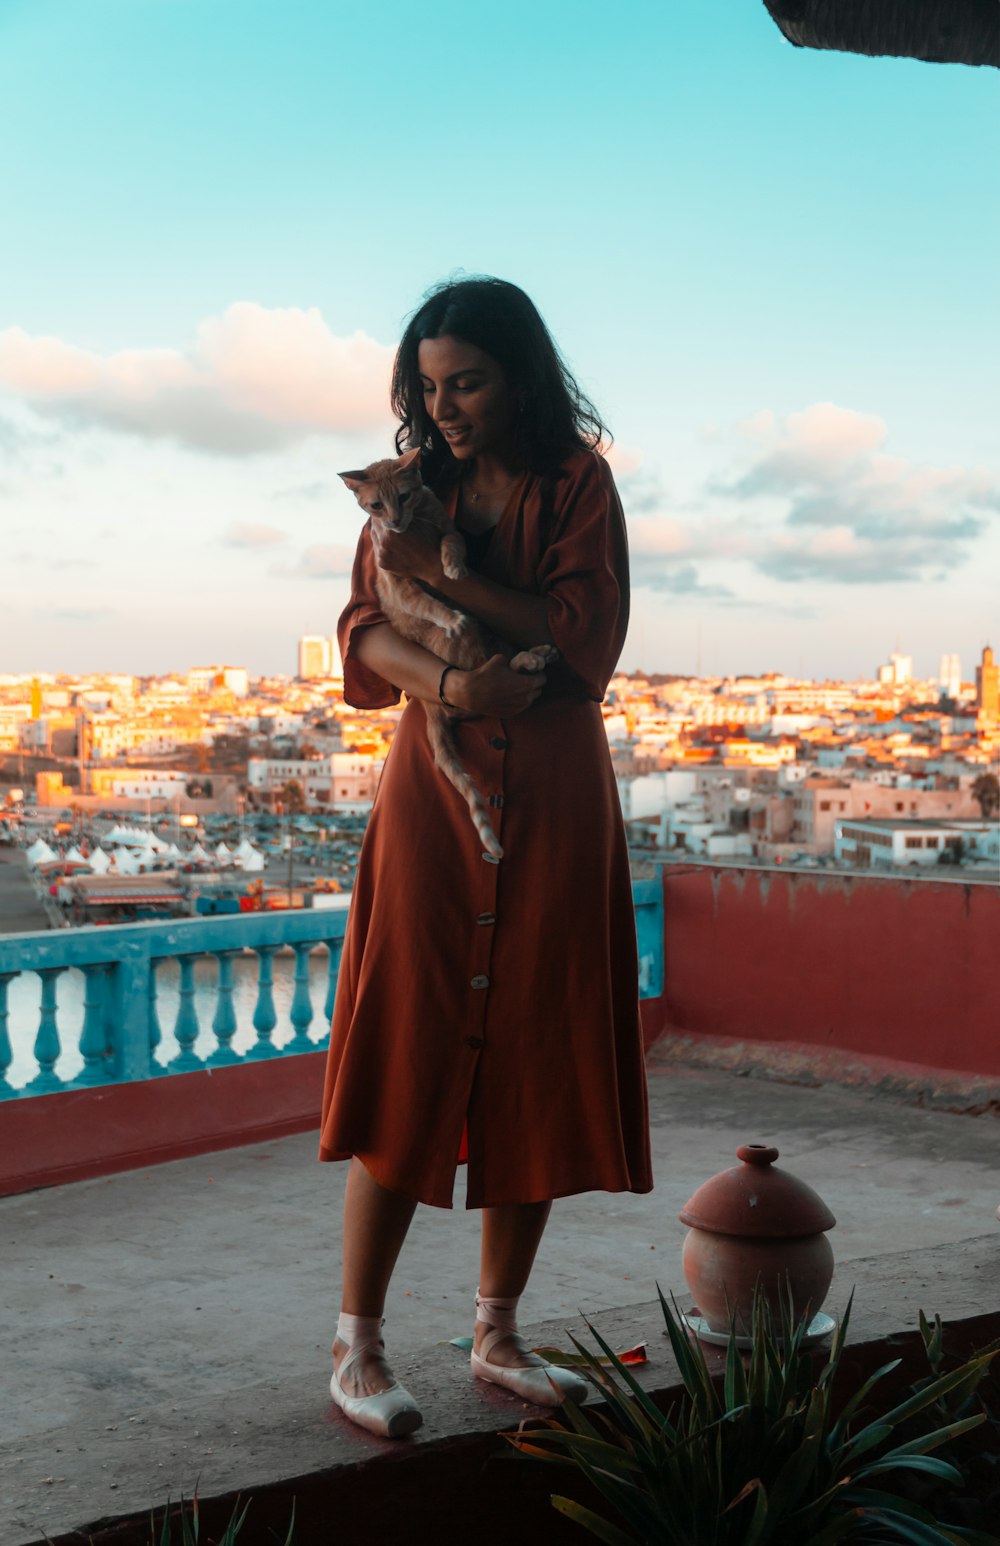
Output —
(760, 1455)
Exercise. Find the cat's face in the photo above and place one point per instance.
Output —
(388, 490)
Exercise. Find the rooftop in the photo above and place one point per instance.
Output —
(171, 1327)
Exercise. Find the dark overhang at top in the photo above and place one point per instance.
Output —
(939, 31)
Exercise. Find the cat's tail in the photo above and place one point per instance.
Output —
(442, 740)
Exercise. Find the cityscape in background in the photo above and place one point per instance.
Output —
(136, 797)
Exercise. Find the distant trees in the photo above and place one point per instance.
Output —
(292, 798)
(986, 793)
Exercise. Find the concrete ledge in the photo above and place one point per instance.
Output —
(282, 1441)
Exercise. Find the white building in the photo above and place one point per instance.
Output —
(206, 679)
(318, 657)
(898, 672)
(950, 676)
(897, 844)
(342, 778)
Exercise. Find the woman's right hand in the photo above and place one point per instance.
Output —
(493, 688)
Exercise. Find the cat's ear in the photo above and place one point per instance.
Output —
(354, 480)
(409, 457)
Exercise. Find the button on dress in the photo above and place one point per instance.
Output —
(489, 1011)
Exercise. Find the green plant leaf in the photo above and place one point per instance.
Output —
(601, 1528)
(859, 1397)
(929, 1441)
(930, 1465)
(938, 1388)
(876, 1433)
(735, 1387)
(908, 1528)
(645, 1402)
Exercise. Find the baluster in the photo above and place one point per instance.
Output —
(335, 948)
(186, 1027)
(47, 1044)
(224, 1019)
(7, 1090)
(264, 1017)
(155, 1029)
(302, 1011)
(95, 1043)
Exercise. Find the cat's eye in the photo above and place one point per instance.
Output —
(377, 504)
(404, 496)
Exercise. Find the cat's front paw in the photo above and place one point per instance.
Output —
(453, 555)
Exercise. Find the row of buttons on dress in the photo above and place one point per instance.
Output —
(480, 982)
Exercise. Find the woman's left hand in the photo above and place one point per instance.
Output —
(406, 553)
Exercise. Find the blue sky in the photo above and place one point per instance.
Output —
(773, 269)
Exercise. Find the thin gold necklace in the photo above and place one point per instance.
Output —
(474, 496)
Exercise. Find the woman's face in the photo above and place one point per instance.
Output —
(467, 396)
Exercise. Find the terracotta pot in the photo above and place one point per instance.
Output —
(755, 1224)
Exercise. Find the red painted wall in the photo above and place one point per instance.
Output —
(73, 1134)
(895, 969)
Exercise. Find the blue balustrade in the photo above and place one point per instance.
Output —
(127, 970)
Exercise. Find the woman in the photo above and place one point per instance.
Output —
(488, 1010)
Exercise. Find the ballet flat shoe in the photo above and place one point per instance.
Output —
(391, 1414)
(545, 1384)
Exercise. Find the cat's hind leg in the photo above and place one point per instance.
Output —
(446, 758)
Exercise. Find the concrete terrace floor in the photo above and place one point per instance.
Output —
(171, 1326)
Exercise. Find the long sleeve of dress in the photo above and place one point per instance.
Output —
(583, 573)
(363, 688)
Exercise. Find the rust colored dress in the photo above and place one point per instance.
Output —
(489, 1011)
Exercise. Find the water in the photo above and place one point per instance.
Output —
(24, 998)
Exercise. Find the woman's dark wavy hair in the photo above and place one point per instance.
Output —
(557, 418)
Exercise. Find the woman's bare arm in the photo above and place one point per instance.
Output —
(490, 689)
(513, 615)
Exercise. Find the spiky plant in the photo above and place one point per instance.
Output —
(190, 1523)
(759, 1457)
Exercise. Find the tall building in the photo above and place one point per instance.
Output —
(318, 656)
(898, 672)
(950, 676)
(988, 687)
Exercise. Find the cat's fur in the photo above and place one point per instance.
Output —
(393, 493)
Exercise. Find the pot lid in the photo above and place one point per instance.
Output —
(755, 1198)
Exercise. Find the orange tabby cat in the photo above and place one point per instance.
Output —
(392, 492)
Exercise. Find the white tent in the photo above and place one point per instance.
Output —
(75, 856)
(40, 853)
(124, 863)
(198, 855)
(99, 862)
(248, 858)
(222, 852)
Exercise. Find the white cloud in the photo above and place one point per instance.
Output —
(322, 561)
(253, 379)
(253, 534)
(848, 510)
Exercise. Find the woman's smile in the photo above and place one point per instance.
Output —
(467, 396)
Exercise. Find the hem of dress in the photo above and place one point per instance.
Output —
(637, 1188)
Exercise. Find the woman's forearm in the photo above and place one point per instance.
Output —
(408, 666)
(513, 615)
(491, 688)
